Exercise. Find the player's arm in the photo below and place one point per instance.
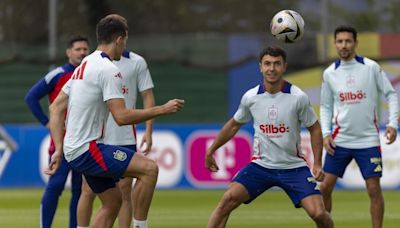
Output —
(227, 132)
(123, 116)
(33, 97)
(326, 113)
(387, 89)
(56, 124)
(316, 145)
(148, 102)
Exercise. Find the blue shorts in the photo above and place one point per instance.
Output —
(369, 160)
(103, 165)
(298, 183)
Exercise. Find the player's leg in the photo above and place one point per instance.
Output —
(370, 163)
(85, 205)
(327, 187)
(303, 190)
(247, 185)
(51, 195)
(108, 212)
(125, 213)
(334, 167)
(146, 172)
(314, 206)
(377, 205)
(76, 186)
(232, 198)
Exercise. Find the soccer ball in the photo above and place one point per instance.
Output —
(287, 26)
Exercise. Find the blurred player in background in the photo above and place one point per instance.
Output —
(136, 77)
(50, 85)
(278, 109)
(95, 90)
(350, 91)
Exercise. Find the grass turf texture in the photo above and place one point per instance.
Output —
(191, 209)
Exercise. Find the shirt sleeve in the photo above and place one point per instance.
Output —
(307, 115)
(33, 97)
(386, 88)
(326, 107)
(67, 87)
(111, 83)
(144, 78)
(243, 114)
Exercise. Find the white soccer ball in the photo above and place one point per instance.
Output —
(287, 26)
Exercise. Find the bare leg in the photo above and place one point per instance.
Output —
(146, 172)
(327, 187)
(314, 206)
(125, 213)
(111, 203)
(232, 198)
(377, 206)
(85, 205)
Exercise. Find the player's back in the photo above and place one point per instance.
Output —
(95, 81)
(136, 77)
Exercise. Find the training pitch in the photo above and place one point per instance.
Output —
(191, 209)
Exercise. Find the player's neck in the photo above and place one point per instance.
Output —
(273, 87)
(351, 57)
(109, 49)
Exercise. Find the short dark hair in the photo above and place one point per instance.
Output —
(111, 27)
(345, 28)
(273, 51)
(76, 38)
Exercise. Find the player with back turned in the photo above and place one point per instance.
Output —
(94, 92)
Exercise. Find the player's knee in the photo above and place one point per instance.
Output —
(230, 201)
(151, 168)
(320, 216)
(326, 189)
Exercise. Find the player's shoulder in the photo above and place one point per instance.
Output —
(293, 90)
(332, 67)
(253, 91)
(101, 61)
(368, 61)
(58, 71)
(133, 57)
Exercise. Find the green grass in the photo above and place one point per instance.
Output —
(191, 209)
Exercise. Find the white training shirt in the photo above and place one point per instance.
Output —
(349, 95)
(94, 82)
(136, 77)
(277, 121)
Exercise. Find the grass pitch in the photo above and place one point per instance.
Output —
(191, 209)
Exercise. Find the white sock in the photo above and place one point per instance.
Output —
(139, 223)
(82, 227)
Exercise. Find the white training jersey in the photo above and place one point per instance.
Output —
(136, 78)
(93, 82)
(277, 119)
(349, 102)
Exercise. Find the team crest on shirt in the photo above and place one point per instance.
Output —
(272, 113)
(119, 155)
(350, 81)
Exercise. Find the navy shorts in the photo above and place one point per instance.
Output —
(298, 183)
(103, 165)
(369, 160)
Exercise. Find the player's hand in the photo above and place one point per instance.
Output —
(54, 163)
(318, 173)
(391, 135)
(173, 106)
(148, 140)
(329, 145)
(210, 162)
